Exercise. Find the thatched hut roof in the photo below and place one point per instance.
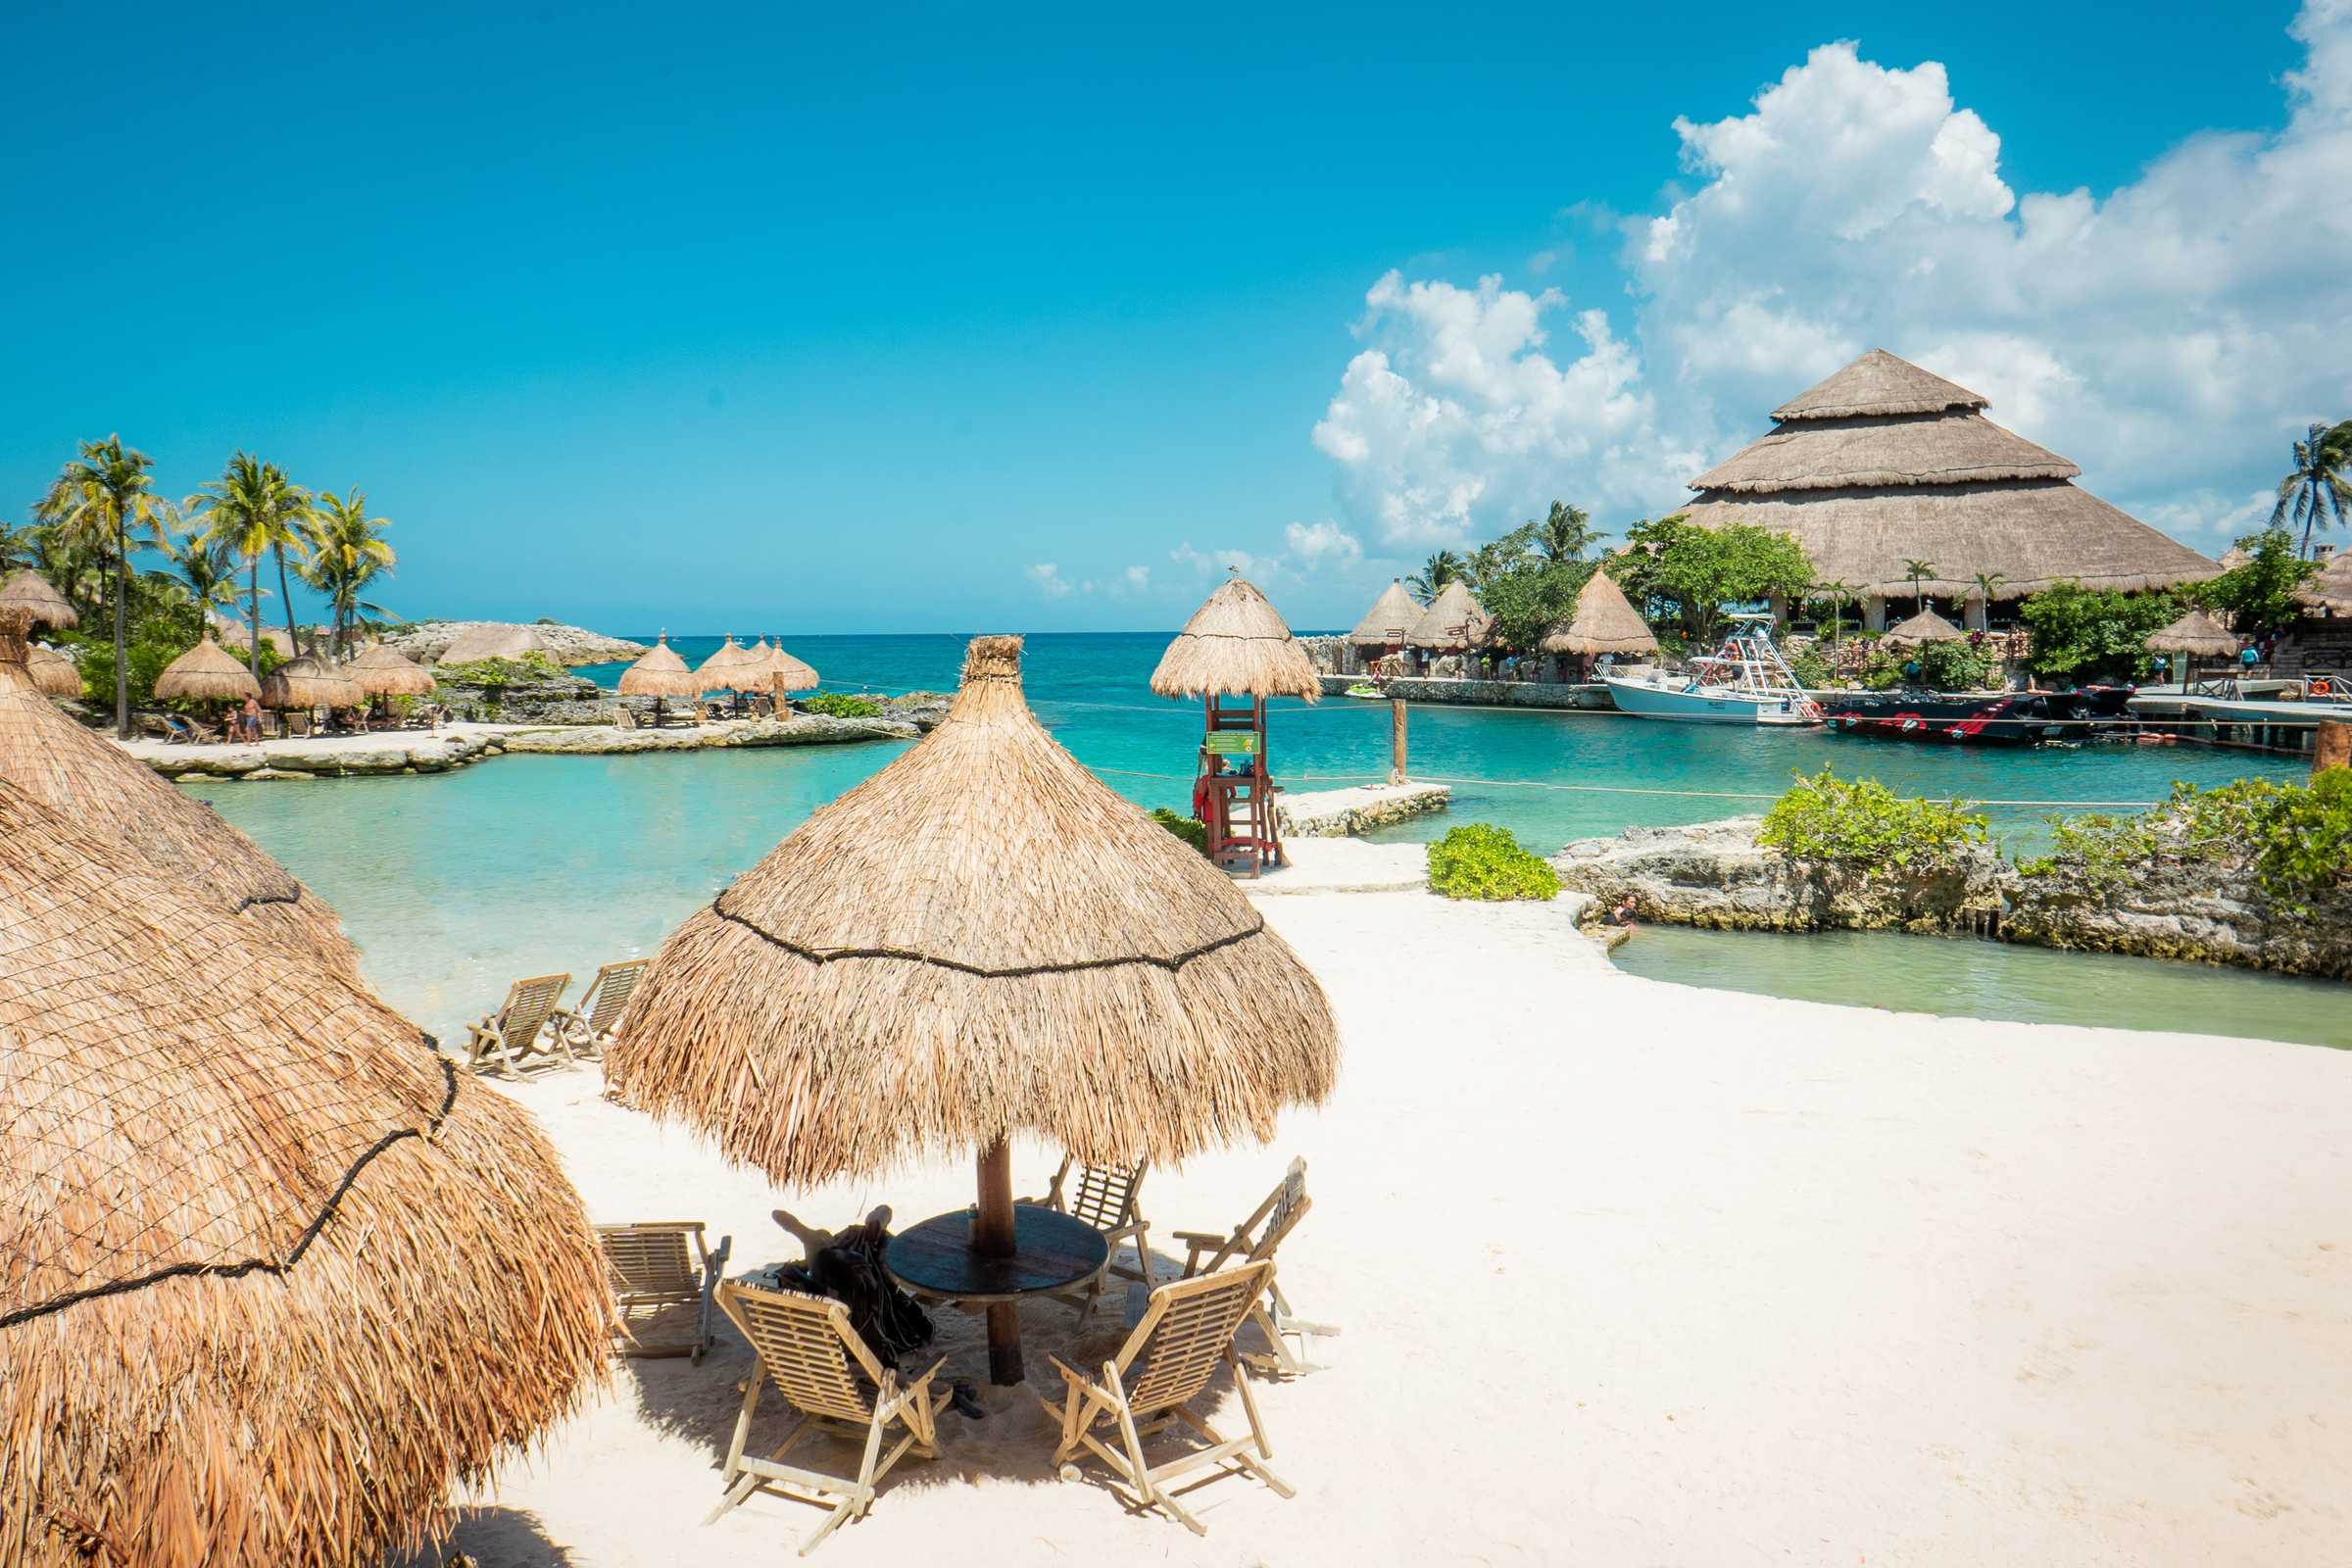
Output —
(2330, 592)
(979, 938)
(75, 773)
(493, 641)
(1452, 620)
(1884, 461)
(236, 634)
(1926, 627)
(1237, 645)
(1605, 621)
(30, 590)
(53, 672)
(311, 681)
(729, 669)
(207, 672)
(279, 1278)
(2193, 633)
(660, 673)
(1389, 619)
(780, 672)
(2235, 558)
(382, 671)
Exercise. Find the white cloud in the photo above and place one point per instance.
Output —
(1324, 544)
(1139, 578)
(1049, 580)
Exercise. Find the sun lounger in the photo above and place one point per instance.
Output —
(1187, 1330)
(511, 1035)
(586, 1029)
(1278, 1216)
(188, 731)
(1109, 1199)
(665, 1264)
(805, 1346)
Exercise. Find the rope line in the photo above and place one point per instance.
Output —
(1614, 789)
(822, 955)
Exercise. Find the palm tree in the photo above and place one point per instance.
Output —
(1987, 583)
(18, 547)
(346, 554)
(1563, 537)
(97, 501)
(204, 564)
(1839, 594)
(1439, 571)
(2320, 484)
(255, 506)
(1915, 570)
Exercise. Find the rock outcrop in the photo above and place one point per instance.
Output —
(1350, 812)
(804, 729)
(567, 645)
(2197, 911)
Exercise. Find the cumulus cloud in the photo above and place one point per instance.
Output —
(1325, 543)
(1050, 582)
(1139, 578)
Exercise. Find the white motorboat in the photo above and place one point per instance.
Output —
(1747, 682)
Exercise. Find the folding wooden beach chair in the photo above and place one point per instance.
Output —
(1109, 1197)
(666, 1263)
(586, 1029)
(1187, 1330)
(806, 1346)
(1279, 1215)
(512, 1032)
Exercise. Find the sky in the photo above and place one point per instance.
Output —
(954, 318)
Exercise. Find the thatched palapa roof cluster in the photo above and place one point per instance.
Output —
(1884, 461)
(382, 671)
(1604, 622)
(1390, 621)
(1237, 645)
(1454, 621)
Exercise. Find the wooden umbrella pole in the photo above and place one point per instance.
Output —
(993, 1237)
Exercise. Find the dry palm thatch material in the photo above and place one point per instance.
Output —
(96, 783)
(53, 672)
(789, 674)
(2330, 592)
(1828, 454)
(2193, 633)
(731, 669)
(277, 1279)
(30, 590)
(1926, 627)
(492, 642)
(311, 681)
(979, 938)
(1453, 620)
(1878, 383)
(1604, 622)
(1237, 645)
(382, 671)
(660, 673)
(1389, 621)
(207, 672)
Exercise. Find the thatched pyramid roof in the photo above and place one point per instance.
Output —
(32, 591)
(775, 662)
(2193, 633)
(1452, 620)
(1884, 461)
(731, 669)
(1926, 627)
(278, 1278)
(979, 938)
(207, 672)
(493, 641)
(382, 671)
(69, 771)
(312, 681)
(1389, 621)
(660, 673)
(2235, 558)
(2331, 590)
(1237, 645)
(1605, 623)
(53, 672)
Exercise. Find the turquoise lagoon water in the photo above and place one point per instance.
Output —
(456, 883)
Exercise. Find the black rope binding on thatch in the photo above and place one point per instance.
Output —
(262, 1265)
(830, 954)
(244, 904)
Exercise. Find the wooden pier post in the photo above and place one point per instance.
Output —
(1396, 739)
(2331, 747)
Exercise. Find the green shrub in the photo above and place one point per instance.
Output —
(1184, 827)
(1865, 823)
(1484, 862)
(1812, 671)
(841, 705)
(499, 672)
(1956, 667)
(1882, 671)
(2297, 838)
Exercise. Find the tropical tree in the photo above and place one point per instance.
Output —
(1915, 570)
(18, 547)
(205, 564)
(1987, 584)
(1676, 569)
(2320, 485)
(1839, 594)
(98, 501)
(1430, 580)
(255, 508)
(347, 552)
(1564, 536)
(1496, 559)
(2260, 596)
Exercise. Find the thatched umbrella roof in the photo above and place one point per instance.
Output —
(1605, 623)
(382, 671)
(1237, 645)
(1390, 618)
(2193, 633)
(981, 937)
(1926, 627)
(731, 669)
(207, 672)
(311, 681)
(493, 641)
(53, 672)
(660, 673)
(1452, 620)
(236, 634)
(32, 591)
(279, 1278)
(775, 662)
(80, 776)
(2330, 591)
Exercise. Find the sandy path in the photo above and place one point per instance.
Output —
(1634, 1273)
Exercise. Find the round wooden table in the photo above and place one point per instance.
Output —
(1050, 1252)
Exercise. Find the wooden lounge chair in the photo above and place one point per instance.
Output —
(586, 1029)
(1187, 1330)
(806, 1346)
(1109, 1199)
(512, 1032)
(666, 1263)
(1279, 1215)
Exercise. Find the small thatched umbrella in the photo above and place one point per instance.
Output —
(1926, 627)
(382, 671)
(69, 770)
(772, 669)
(978, 938)
(658, 674)
(493, 641)
(731, 669)
(1389, 619)
(311, 681)
(1237, 645)
(1604, 622)
(278, 1278)
(207, 673)
(1453, 623)
(2197, 635)
(30, 590)
(53, 672)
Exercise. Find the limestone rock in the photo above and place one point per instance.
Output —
(567, 645)
(1345, 814)
(2199, 911)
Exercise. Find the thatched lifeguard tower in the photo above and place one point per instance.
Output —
(981, 938)
(1237, 645)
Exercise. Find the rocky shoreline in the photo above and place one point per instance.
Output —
(569, 646)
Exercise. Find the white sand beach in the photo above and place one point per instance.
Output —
(1628, 1273)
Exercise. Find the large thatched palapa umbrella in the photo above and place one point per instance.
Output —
(772, 669)
(493, 641)
(729, 669)
(1604, 622)
(981, 937)
(53, 672)
(66, 768)
(385, 671)
(277, 1277)
(2197, 635)
(207, 673)
(1237, 645)
(311, 681)
(660, 673)
(1389, 619)
(1926, 627)
(30, 590)
(1453, 623)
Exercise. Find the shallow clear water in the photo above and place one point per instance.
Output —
(1994, 980)
(456, 883)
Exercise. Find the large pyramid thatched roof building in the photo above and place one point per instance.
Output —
(1884, 461)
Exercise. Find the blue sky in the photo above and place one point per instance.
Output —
(762, 318)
